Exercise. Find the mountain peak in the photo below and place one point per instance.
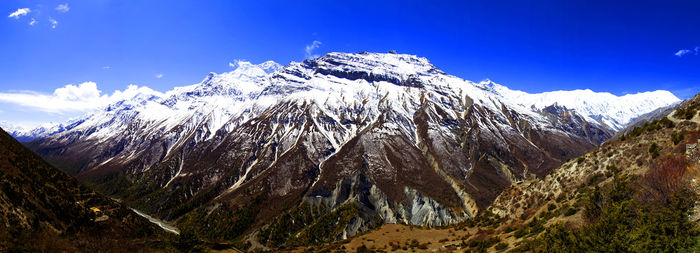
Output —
(388, 62)
(399, 69)
(248, 70)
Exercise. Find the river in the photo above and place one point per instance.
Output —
(158, 222)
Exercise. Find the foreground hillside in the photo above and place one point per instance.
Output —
(45, 210)
(638, 193)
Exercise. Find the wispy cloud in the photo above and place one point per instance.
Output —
(33, 22)
(63, 8)
(106, 67)
(310, 49)
(53, 23)
(71, 98)
(159, 76)
(684, 52)
(19, 12)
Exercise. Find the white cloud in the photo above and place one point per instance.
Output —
(159, 76)
(19, 12)
(33, 22)
(53, 22)
(106, 67)
(231, 64)
(63, 8)
(310, 49)
(71, 98)
(682, 52)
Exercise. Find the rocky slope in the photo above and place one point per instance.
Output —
(44, 209)
(653, 157)
(360, 138)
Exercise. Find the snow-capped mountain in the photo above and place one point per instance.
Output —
(10, 128)
(601, 107)
(22, 133)
(389, 134)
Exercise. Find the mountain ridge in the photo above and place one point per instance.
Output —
(247, 70)
(384, 137)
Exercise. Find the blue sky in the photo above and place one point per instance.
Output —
(615, 46)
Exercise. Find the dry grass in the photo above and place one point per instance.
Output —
(404, 238)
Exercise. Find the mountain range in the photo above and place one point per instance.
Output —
(272, 154)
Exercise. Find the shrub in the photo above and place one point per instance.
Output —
(363, 249)
(626, 223)
(561, 198)
(483, 243)
(663, 180)
(654, 150)
(594, 179)
(677, 138)
(521, 232)
(570, 211)
(509, 229)
(501, 246)
(414, 243)
(613, 169)
(666, 122)
(686, 113)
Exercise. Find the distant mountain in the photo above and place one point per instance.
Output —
(359, 139)
(657, 114)
(24, 134)
(44, 209)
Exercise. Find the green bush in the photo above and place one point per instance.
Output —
(521, 232)
(677, 138)
(622, 223)
(561, 198)
(654, 150)
(509, 229)
(666, 122)
(501, 246)
(686, 112)
(364, 249)
(570, 211)
(483, 243)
